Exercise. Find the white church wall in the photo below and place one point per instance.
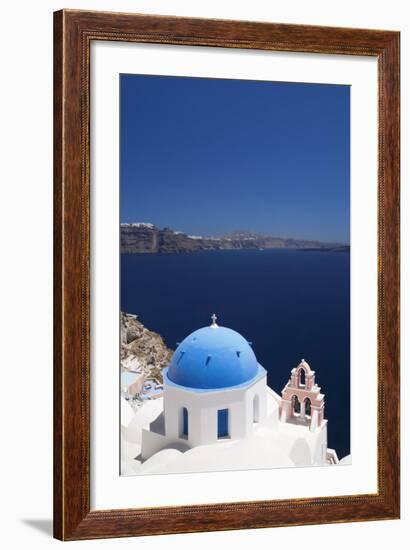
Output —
(151, 443)
(202, 409)
(318, 445)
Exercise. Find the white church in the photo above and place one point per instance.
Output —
(218, 413)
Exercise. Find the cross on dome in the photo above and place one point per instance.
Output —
(214, 318)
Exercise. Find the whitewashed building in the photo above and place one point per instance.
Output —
(214, 390)
(217, 407)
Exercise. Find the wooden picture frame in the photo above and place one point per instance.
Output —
(74, 32)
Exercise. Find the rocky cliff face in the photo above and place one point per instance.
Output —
(146, 238)
(136, 238)
(143, 347)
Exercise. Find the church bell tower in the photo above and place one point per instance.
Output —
(302, 402)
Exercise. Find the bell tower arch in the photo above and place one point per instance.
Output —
(302, 401)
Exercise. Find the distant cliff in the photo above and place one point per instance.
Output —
(144, 349)
(146, 238)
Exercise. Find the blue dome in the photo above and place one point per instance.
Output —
(211, 358)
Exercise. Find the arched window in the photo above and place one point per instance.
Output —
(223, 429)
(184, 423)
(295, 404)
(256, 408)
(302, 377)
(308, 407)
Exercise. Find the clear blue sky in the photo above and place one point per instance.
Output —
(209, 156)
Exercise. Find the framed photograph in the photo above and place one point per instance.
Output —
(226, 288)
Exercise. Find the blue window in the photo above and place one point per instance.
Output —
(223, 423)
(185, 422)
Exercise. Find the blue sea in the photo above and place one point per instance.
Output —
(290, 304)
